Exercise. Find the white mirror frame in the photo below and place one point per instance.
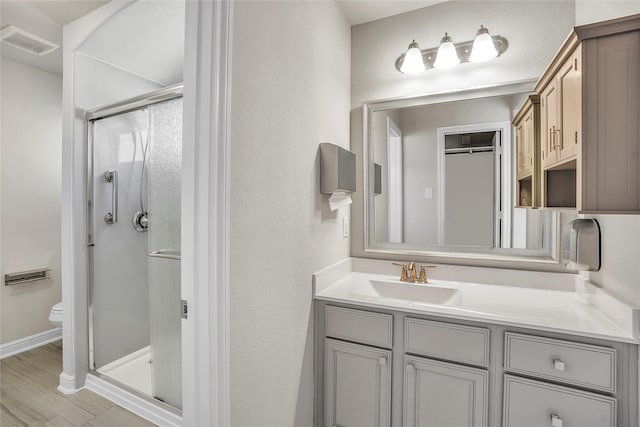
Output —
(544, 259)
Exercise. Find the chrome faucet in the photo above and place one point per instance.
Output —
(409, 272)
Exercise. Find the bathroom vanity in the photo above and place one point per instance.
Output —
(450, 353)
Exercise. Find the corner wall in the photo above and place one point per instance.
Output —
(30, 222)
(290, 92)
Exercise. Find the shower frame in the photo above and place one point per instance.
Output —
(121, 107)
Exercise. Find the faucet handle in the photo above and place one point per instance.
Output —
(422, 278)
(403, 271)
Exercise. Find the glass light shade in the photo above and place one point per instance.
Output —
(483, 47)
(447, 57)
(413, 63)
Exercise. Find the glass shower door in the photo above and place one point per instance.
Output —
(135, 207)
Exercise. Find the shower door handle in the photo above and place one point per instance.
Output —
(166, 254)
(112, 177)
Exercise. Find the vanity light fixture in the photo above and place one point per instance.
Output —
(448, 55)
(483, 47)
(413, 62)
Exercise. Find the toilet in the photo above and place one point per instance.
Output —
(55, 316)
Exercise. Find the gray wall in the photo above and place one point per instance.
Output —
(290, 93)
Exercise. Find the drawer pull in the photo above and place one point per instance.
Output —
(558, 365)
(556, 421)
(382, 361)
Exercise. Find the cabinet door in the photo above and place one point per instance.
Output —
(549, 120)
(521, 150)
(529, 143)
(357, 385)
(569, 82)
(440, 394)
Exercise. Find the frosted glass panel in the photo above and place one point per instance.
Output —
(164, 194)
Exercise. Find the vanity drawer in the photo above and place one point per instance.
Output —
(573, 363)
(457, 343)
(361, 326)
(530, 403)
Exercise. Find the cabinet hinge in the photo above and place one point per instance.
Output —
(184, 309)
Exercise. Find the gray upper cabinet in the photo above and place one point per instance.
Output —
(357, 385)
(441, 394)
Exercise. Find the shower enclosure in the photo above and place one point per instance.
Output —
(134, 195)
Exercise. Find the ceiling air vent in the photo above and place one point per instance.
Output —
(24, 40)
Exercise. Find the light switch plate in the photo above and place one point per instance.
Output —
(428, 193)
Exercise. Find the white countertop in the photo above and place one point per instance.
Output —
(583, 310)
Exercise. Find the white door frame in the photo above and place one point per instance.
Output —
(504, 150)
(395, 185)
(205, 211)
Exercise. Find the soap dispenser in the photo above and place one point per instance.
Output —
(581, 245)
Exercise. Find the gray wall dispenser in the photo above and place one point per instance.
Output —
(581, 245)
(337, 174)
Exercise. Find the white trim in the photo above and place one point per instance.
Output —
(395, 186)
(131, 402)
(28, 343)
(67, 384)
(205, 213)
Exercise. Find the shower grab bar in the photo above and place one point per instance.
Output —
(166, 253)
(112, 177)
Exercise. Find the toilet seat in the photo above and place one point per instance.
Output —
(55, 316)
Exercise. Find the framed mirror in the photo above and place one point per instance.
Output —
(439, 172)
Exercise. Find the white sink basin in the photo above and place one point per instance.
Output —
(417, 293)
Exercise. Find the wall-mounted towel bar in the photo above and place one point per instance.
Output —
(26, 276)
(166, 253)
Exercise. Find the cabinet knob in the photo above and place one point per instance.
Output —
(558, 365)
(382, 361)
(556, 421)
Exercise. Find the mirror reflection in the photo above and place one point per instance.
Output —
(442, 177)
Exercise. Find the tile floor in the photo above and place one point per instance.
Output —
(29, 397)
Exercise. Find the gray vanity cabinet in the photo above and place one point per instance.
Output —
(441, 394)
(377, 367)
(357, 385)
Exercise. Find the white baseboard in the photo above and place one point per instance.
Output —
(28, 343)
(132, 402)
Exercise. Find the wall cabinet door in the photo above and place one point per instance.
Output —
(569, 82)
(357, 385)
(550, 124)
(440, 394)
(521, 150)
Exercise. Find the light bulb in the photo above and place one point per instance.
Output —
(483, 47)
(447, 57)
(413, 63)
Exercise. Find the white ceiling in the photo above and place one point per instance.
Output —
(65, 11)
(361, 11)
(46, 18)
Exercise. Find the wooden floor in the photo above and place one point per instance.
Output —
(29, 397)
